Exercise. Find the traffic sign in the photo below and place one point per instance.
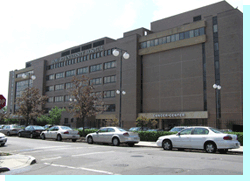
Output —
(2, 101)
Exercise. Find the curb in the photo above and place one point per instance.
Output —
(12, 162)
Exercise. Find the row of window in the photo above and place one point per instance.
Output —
(80, 59)
(95, 81)
(83, 70)
(173, 38)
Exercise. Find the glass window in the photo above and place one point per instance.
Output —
(152, 43)
(148, 44)
(202, 31)
(177, 37)
(111, 130)
(156, 42)
(59, 75)
(196, 32)
(181, 35)
(172, 38)
(215, 28)
(191, 33)
(160, 41)
(200, 131)
(216, 46)
(103, 130)
(168, 39)
(187, 35)
(186, 131)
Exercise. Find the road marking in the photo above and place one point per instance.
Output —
(51, 158)
(91, 153)
(80, 168)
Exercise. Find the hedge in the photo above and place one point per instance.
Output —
(86, 131)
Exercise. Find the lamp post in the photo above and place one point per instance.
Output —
(116, 53)
(217, 88)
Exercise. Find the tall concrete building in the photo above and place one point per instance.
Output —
(186, 70)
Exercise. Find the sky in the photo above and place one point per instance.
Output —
(33, 29)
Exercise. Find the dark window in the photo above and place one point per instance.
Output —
(85, 47)
(197, 18)
(182, 36)
(75, 50)
(187, 34)
(28, 64)
(109, 108)
(99, 43)
(65, 53)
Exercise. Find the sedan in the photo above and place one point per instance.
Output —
(3, 139)
(114, 135)
(207, 138)
(31, 131)
(10, 129)
(60, 132)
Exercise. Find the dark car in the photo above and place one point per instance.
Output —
(31, 131)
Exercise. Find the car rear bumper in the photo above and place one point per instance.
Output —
(131, 140)
(65, 136)
(230, 144)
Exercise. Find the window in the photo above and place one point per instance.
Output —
(148, 43)
(68, 85)
(99, 43)
(51, 99)
(59, 87)
(109, 65)
(187, 34)
(186, 131)
(216, 46)
(191, 33)
(49, 88)
(109, 52)
(85, 47)
(83, 70)
(196, 32)
(181, 35)
(172, 38)
(110, 79)
(95, 68)
(202, 31)
(200, 131)
(50, 77)
(59, 99)
(143, 45)
(215, 28)
(59, 75)
(152, 43)
(70, 73)
(109, 108)
(160, 41)
(197, 18)
(96, 81)
(109, 94)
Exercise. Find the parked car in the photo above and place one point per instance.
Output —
(198, 137)
(10, 129)
(31, 131)
(1, 126)
(60, 132)
(138, 129)
(3, 139)
(114, 135)
(155, 130)
(47, 126)
(177, 128)
(225, 130)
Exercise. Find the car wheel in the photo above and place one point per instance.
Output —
(167, 145)
(43, 136)
(73, 140)
(8, 133)
(131, 144)
(59, 138)
(116, 142)
(223, 151)
(19, 135)
(2, 144)
(210, 147)
(90, 140)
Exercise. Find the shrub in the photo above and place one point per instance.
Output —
(86, 131)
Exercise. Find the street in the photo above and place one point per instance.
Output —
(79, 158)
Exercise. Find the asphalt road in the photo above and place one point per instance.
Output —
(80, 158)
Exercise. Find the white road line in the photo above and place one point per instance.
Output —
(80, 168)
(51, 158)
(91, 153)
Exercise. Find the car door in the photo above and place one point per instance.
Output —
(182, 139)
(26, 131)
(48, 132)
(108, 136)
(198, 137)
(100, 135)
(5, 129)
(53, 132)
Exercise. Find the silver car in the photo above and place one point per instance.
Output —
(114, 135)
(10, 129)
(60, 132)
(3, 139)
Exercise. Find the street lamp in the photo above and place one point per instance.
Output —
(217, 88)
(116, 52)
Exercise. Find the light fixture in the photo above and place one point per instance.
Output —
(123, 92)
(215, 86)
(117, 92)
(115, 52)
(126, 55)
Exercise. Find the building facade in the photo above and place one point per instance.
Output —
(169, 76)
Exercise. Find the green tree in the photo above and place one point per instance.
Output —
(53, 118)
(112, 122)
(142, 122)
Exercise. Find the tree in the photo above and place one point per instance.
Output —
(84, 101)
(3, 114)
(142, 122)
(53, 118)
(30, 104)
(112, 122)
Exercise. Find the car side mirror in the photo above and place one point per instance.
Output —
(178, 134)
(97, 132)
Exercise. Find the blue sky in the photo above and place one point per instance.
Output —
(32, 29)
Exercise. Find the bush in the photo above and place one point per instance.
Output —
(86, 131)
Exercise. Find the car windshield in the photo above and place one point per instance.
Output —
(66, 127)
(215, 130)
(121, 129)
(38, 127)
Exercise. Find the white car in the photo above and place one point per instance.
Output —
(3, 139)
(60, 132)
(114, 135)
(197, 137)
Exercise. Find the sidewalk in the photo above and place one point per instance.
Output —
(153, 145)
